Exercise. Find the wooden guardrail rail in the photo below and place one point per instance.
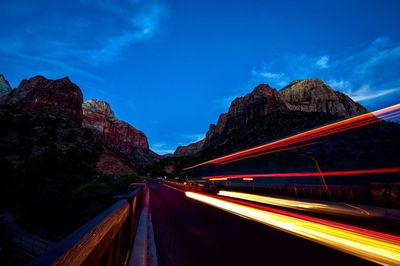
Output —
(105, 240)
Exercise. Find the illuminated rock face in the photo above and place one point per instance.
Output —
(313, 95)
(60, 94)
(309, 96)
(117, 134)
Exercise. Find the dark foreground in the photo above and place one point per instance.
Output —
(191, 233)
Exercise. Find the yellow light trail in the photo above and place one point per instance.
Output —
(297, 204)
(219, 179)
(373, 248)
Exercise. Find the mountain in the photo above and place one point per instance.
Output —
(61, 95)
(266, 114)
(5, 87)
(117, 134)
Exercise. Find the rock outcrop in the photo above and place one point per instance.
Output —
(262, 101)
(189, 149)
(309, 96)
(5, 87)
(117, 134)
(61, 95)
(313, 95)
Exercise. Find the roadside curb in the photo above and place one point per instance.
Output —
(144, 249)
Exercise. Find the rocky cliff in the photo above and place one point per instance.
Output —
(311, 96)
(5, 87)
(61, 95)
(52, 112)
(189, 149)
(119, 135)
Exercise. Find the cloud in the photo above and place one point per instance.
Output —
(273, 78)
(340, 85)
(365, 93)
(79, 35)
(195, 137)
(32, 61)
(270, 75)
(143, 25)
(162, 151)
(162, 148)
(159, 145)
(322, 62)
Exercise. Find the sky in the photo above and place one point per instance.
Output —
(169, 68)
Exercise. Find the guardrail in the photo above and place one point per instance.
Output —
(105, 240)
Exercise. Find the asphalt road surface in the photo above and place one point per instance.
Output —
(188, 232)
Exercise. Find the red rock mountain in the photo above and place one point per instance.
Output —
(190, 149)
(119, 135)
(310, 95)
(61, 98)
(60, 94)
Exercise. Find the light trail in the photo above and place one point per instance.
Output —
(370, 245)
(273, 151)
(334, 128)
(328, 207)
(218, 179)
(311, 174)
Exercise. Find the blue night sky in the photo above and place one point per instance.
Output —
(171, 67)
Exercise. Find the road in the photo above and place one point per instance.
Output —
(188, 232)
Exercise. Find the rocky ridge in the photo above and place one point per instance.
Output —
(119, 135)
(60, 94)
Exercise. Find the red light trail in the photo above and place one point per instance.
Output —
(273, 151)
(310, 174)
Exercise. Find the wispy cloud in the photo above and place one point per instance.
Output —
(162, 148)
(194, 137)
(322, 62)
(273, 78)
(163, 151)
(341, 85)
(142, 25)
(159, 145)
(82, 35)
(366, 93)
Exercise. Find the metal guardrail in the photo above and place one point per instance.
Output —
(105, 240)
